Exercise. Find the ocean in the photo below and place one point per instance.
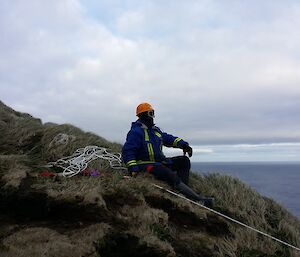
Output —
(279, 181)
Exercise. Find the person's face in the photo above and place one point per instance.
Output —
(151, 114)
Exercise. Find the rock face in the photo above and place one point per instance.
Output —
(111, 216)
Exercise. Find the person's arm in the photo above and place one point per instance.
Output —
(176, 142)
(130, 149)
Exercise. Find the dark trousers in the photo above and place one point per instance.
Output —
(174, 173)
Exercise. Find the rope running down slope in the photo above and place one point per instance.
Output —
(227, 217)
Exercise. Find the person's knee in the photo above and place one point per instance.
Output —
(181, 160)
(185, 162)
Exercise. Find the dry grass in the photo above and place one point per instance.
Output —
(39, 241)
(52, 152)
(112, 216)
(13, 170)
(243, 203)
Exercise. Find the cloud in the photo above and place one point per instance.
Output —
(273, 152)
(248, 152)
(216, 73)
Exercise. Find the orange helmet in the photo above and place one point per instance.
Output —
(143, 107)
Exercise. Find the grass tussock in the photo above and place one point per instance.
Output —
(41, 241)
(243, 203)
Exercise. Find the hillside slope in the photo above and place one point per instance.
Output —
(110, 216)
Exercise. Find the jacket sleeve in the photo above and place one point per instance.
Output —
(130, 149)
(172, 141)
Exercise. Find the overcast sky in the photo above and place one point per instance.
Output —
(223, 75)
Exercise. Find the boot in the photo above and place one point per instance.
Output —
(189, 193)
(208, 201)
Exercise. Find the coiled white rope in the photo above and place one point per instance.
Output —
(227, 217)
(79, 160)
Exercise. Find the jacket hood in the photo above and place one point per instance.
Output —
(138, 123)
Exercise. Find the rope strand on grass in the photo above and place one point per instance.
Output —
(227, 217)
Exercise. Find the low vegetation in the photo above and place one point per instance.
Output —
(110, 215)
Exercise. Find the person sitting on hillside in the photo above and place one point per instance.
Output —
(142, 152)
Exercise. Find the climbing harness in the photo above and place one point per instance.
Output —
(78, 161)
(227, 217)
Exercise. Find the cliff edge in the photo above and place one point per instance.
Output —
(110, 216)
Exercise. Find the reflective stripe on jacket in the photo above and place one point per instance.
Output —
(144, 145)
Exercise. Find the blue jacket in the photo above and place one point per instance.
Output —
(144, 146)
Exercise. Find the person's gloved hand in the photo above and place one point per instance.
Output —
(187, 149)
(133, 170)
(134, 174)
